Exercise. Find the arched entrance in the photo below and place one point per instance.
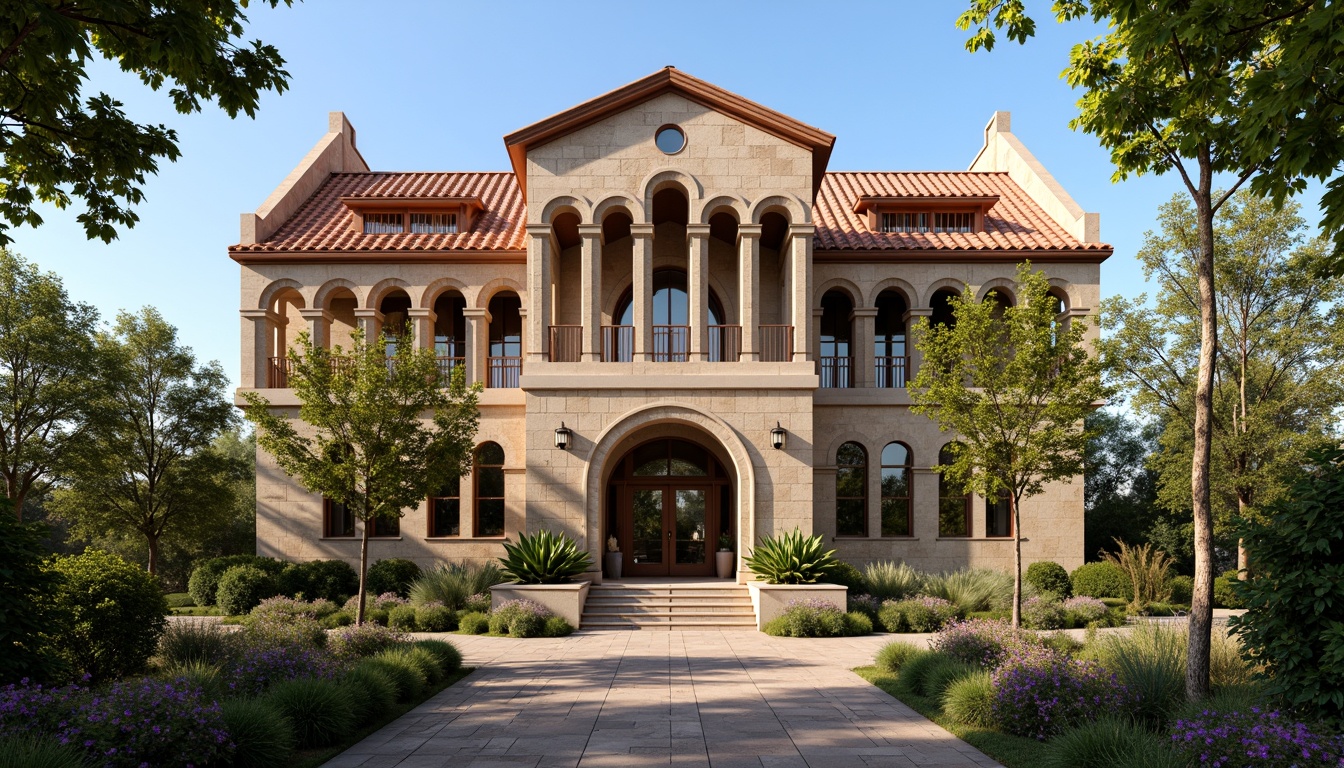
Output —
(668, 501)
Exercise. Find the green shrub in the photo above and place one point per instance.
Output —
(915, 667)
(242, 588)
(858, 623)
(186, 642)
(435, 617)
(319, 710)
(1108, 742)
(1182, 589)
(1042, 613)
(1225, 591)
(972, 589)
(453, 584)
(519, 618)
(544, 558)
(969, 700)
(115, 613)
(1101, 580)
(1049, 577)
(920, 614)
(1228, 667)
(447, 655)
(791, 558)
(892, 581)
(557, 626)
(473, 623)
(179, 600)
(1150, 661)
(28, 615)
(263, 737)
(38, 752)
(393, 574)
(336, 620)
(402, 617)
(423, 664)
(1239, 698)
(332, 580)
(1113, 602)
(808, 618)
(936, 678)
(848, 576)
(429, 662)
(371, 693)
(405, 677)
(204, 580)
(207, 676)
(892, 656)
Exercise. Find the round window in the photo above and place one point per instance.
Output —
(670, 139)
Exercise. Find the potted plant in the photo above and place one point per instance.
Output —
(789, 567)
(544, 568)
(723, 559)
(612, 559)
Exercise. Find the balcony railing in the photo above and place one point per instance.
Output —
(446, 366)
(277, 372)
(776, 343)
(566, 343)
(835, 372)
(671, 343)
(725, 343)
(892, 372)
(618, 343)
(503, 372)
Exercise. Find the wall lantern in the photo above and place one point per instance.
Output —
(777, 436)
(562, 437)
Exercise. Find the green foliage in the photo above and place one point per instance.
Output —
(916, 667)
(893, 655)
(935, 679)
(242, 587)
(204, 582)
(402, 617)
(263, 737)
(115, 614)
(25, 613)
(371, 692)
(393, 574)
(37, 752)
(186, 642)
(473, 623)
(1294, 620)
(889, 580)
(1148, 571)
(449, 658)
(1042, 613)
(405, 677)
(1150, 661)
(1182, 587)
(336, 620)
(434, 617)
(179, 600)
(332, 580)
(809, 619)
(857, 623)
(1225, 593)
(1108, 742)
(848, 576)
(366, 443)
(426, 662)
(206, 675)
(1102, 580)
(1119, 485)
(972, 589)
(544, 558)
(319, 710)
(791, 558)
(516, 618)
(969, 700)
(1049, 577)
(917, 615)
(414, 663)
(556, 626)
(454, 583)
(1240, 698)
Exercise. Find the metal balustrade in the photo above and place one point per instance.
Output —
(835, 372)
(892, 372)
(725, 343)
(503, 372)
(671, 343)
(618, 343)
(775, 343)
(566, 343)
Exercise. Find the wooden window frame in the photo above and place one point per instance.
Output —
(327, 505)
(909, 497)
(430, 514)
(862, 499)
(873, 207)
(374, 533)
(477, 498)
(968, 514)
(989, 505)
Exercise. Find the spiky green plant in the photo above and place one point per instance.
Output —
(973, 589)
(1149, 572)
(791, 559)
(544, 558)
(889, 580)
(453, 583)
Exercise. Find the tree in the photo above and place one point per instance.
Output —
(1119, 488)
(147, 465)
(1203, 88)
(26, 616)
(379, 433)
(1279, 359)
(48, 375)
(57, 144)
(1015, 384)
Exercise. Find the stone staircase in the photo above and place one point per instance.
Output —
(669, 606)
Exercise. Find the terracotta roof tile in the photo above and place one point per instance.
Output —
(1015, 222)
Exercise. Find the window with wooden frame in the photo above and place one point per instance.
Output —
(433, 223)
(488, 471)
(851, 490)
(429, 215)
(998, 517)
(896, 508)
(905, 222)
(383, 223)
(954, 503)
(445, 510)
(385, 528)
(896, 214)
(956, 221)
(337, 520)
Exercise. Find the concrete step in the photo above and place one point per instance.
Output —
(701, 605)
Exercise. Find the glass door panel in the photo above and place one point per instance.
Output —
(691, 526)
(647, 526)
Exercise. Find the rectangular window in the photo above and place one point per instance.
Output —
(998, 518)
(954, 520)
(490, 501)
(386, 527)
(895, 501)
(445, 510)
(905, 222)
(339, 523)
(383, 224)
(433, 223)
(851, 514)
(954, 222)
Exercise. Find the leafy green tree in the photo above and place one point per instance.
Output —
(1015, 384)
(26, 618)
(1119, 488)
(147, 465)
(1280, 353)
(58, 144)
(376, 433)
(48, 377)
(1245, 88)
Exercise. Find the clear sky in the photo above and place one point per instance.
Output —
(435, 85)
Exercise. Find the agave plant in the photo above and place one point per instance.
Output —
(544, 558)
(791, 559)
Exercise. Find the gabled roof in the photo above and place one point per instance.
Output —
(656, 84)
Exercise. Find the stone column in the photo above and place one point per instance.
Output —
(258, 345)
(319, 326)
(591, 291)
(864, 320)
(642, 288)
(478, 343)
(910, 316)
(749, 286)
(814, 342)
(697, 284)
(422, 325)
(371, 322)
(540, 249)
(800, 315)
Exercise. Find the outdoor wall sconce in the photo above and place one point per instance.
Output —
(777, 436)
(562, 437)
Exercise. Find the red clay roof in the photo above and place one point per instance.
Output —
(1014, 223)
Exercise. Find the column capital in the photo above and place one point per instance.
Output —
(480, 312)
(1077, 312)
(801, 230)
(817, 311)
(922, 312)
(749, 230)
(261, 314)
(369, 312)
(641, 230)
(697, 230)
(424, 312)
(539, 230)
(864, 312)
(316, 313)
(590, 230)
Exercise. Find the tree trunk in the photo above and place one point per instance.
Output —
(1201, 604)
(363, 569)
(153, 542)
(1243, 561)
(1017, 560)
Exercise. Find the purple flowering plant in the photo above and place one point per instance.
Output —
(358, 641)
(253, 673)
(1256, 738)
(1088, 609)
(1042, 696)
(989, 643)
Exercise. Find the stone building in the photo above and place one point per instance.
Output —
(719, 322)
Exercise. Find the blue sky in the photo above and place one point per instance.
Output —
(435, 85)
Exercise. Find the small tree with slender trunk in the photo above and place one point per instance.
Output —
(1014, 384)
(379, 432)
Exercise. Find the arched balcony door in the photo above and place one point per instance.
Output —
(671, 317)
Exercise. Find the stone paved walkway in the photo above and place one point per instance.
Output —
(715, 699)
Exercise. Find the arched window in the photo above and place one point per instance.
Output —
(671, 316)
(954, 504)
(445, 509)
(450, 332)
(896, 507)
(488, 470)
(998, 517)
(851, 490)
(941, 304)
(889, 352)
(337, 520)
(505, 361)
(1060, 306)
(395, 308)
(837, 329)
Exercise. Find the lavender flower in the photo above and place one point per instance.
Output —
(355, 642)
(1043, 696)
(1255, 738)
(257, 671)
(988, 643)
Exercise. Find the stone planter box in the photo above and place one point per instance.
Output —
(563, 599)
(770, 600)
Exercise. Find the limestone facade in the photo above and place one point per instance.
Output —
(708, 294)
